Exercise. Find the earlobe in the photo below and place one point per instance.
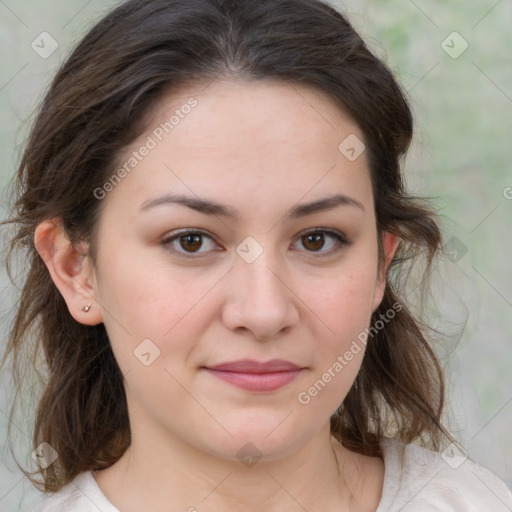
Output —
(69, 271)
(390, 243)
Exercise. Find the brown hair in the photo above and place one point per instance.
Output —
(94, 108)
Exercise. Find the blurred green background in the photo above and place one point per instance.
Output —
(454, 59)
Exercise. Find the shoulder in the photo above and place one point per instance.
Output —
(421, 480)
(80, 495)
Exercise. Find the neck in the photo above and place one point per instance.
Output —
(162, 475)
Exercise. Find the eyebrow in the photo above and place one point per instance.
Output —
(209, 207)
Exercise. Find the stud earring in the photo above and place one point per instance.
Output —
(85, 309)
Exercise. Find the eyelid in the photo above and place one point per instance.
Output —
(339, 236)
(329, 231)
(169, 238)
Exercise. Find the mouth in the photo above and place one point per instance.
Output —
(256, 376)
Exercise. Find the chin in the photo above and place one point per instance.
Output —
(260, 441)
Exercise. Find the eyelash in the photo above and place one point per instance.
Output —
(340, 238)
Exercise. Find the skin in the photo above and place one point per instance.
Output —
(259, 147)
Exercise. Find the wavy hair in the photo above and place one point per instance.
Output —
(96, 106)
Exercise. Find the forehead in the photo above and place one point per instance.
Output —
(243, 107)
(245, 141)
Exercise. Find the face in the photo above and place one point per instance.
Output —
(221, 244)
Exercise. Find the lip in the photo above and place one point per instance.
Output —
(252, 366)
(256, 376)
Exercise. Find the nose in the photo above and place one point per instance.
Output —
(260, 300)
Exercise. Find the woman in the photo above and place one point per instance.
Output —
(213, 206)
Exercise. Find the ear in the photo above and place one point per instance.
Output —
(70, 270)
(390, 243)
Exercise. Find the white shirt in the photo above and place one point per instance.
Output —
(415, 480)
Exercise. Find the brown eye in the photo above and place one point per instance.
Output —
(192, 242)
(188, 244)
(313, 242)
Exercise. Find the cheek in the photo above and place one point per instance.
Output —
(343, 306)
(344, 302)
(157, 320)
(144, 298)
